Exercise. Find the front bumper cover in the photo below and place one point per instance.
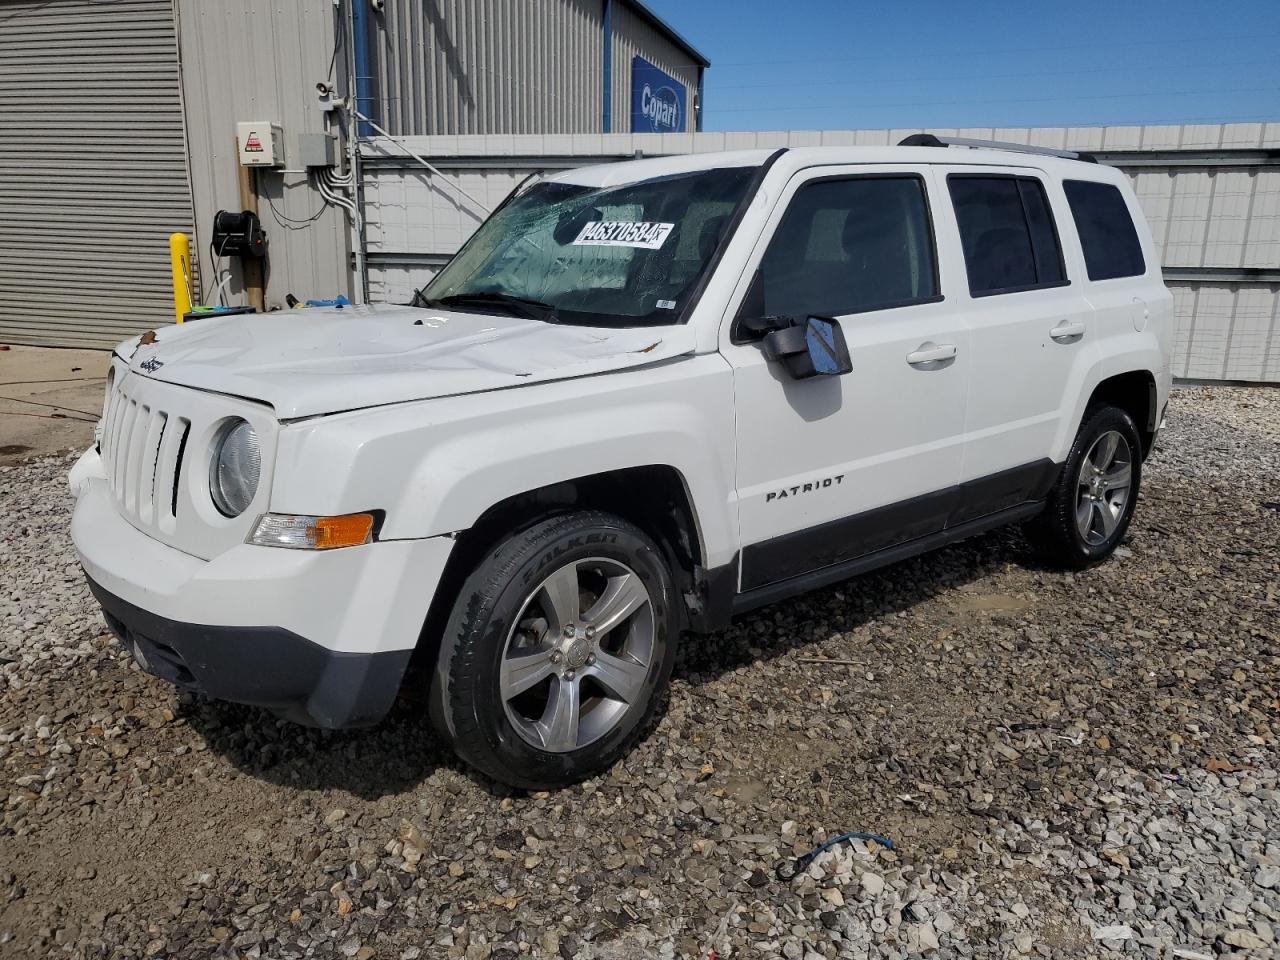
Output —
(263, 666)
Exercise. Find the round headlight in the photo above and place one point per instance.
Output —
(233, 474)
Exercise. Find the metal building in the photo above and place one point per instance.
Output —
(538, 66)
(120, 121)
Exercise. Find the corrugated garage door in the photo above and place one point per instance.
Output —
(93, 175)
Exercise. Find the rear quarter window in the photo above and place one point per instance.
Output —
(1107, 234)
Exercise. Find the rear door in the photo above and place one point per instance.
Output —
(833, 468)
(1031, 331)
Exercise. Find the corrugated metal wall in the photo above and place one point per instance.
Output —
(493, 66)
(489, 66)
(93, 169)
(1210, 192)
(634, 36)
(258, 60)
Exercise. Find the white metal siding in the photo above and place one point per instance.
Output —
(93, 175)
(1226, 331)
(489, 66)
(1202, 217)
(259, 60)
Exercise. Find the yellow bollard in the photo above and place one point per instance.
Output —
(180, 265)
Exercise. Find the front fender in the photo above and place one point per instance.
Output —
(436, 466)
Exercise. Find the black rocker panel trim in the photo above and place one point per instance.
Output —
(1002, 490)
(837, 542)
(784, 589)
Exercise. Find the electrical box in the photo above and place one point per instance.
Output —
(261, 143)
(316, 150)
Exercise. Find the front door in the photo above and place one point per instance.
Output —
(835, 467)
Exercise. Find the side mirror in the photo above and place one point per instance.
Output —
(813, 347)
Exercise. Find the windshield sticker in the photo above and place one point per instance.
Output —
(619, 233)
(666, 304)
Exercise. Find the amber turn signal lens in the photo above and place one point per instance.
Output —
(348, 531)
(312, 533)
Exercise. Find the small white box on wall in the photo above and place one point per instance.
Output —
(261, 143)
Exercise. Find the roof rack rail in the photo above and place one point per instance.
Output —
(932, 140)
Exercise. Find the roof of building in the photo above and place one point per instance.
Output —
(663, 27)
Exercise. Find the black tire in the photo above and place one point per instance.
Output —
(468, 698)
(1056, 532)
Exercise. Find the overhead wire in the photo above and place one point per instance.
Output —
(338, 35)
(862, 82)
(969, 53)
(972, 100)
(426, 163)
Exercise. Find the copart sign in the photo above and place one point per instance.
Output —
(657, 99)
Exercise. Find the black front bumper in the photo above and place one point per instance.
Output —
(263, 666)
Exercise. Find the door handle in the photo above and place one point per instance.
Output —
(1068, 331)
(930, 352)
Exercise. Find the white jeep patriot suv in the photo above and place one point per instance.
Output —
(644, 397)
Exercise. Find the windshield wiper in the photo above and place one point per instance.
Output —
(521, 306)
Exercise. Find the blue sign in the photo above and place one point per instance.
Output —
(657, 99)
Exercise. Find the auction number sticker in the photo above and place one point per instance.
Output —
(624, 233)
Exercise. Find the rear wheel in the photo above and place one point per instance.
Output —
(558, 650)
(1091, 505)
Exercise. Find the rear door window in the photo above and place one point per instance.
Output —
(1008, 234)
(850, 245)
(1107, 234)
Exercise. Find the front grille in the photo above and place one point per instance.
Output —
(155, 443)
(140, 450)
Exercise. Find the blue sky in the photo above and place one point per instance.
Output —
(856, 65)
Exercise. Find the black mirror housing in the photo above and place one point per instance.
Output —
(813, 347)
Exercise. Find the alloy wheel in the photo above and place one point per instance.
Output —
(1105, 482)
(579, 654)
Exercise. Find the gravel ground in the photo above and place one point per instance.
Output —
(1067, 766)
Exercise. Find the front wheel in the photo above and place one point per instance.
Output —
(558, 650)
(1090, 506)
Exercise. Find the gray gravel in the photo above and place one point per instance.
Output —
(1068, 766)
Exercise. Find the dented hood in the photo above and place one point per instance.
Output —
(311, 362)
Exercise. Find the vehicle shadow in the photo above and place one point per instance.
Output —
(395, 756)
(400, 753)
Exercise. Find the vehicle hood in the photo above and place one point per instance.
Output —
(315, 361)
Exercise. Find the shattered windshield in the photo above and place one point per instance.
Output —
(624, 256)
